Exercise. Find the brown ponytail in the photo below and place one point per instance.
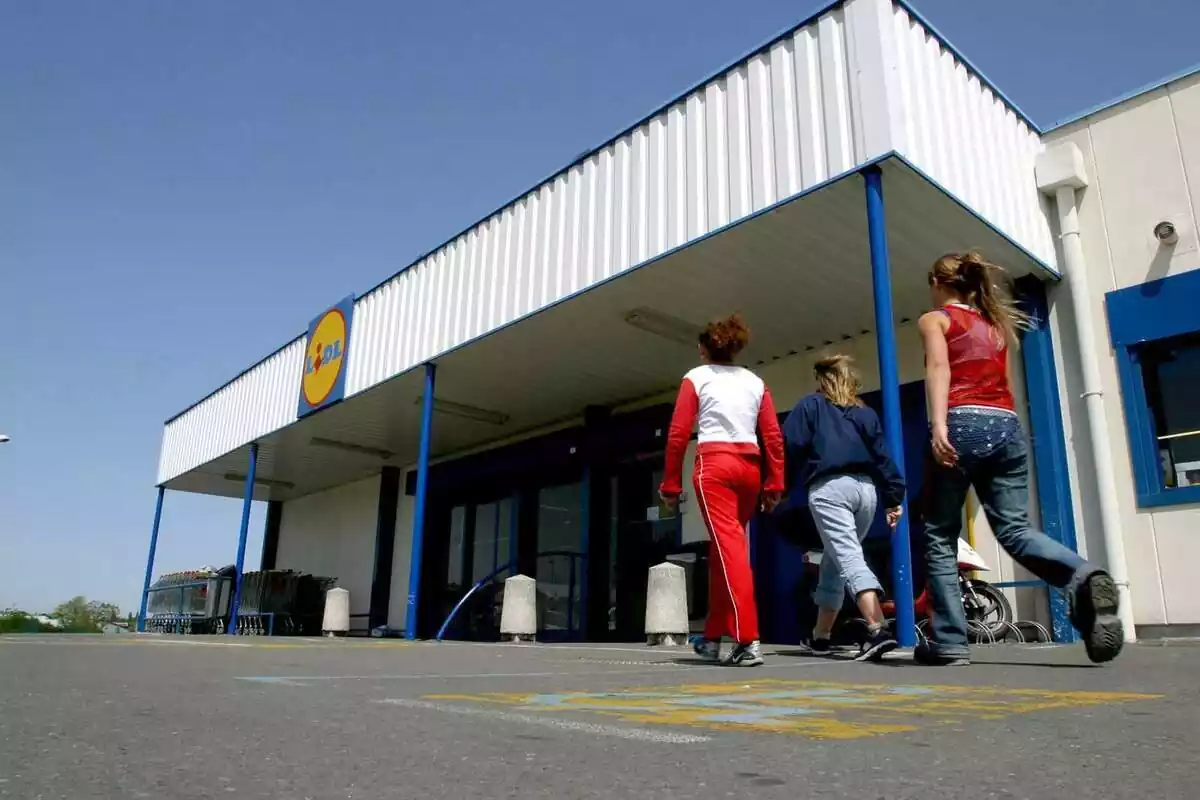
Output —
(983, 285)
(723, 339)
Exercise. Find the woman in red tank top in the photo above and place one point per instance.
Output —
(977, 441)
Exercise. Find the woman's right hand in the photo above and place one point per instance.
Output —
(943, 451)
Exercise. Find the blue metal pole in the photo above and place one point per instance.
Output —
(889, 379)
(414, 566)
(247, 501)
(141, 618)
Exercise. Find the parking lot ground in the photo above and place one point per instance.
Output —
(143, 716)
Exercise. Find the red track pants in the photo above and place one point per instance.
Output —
(727, 490)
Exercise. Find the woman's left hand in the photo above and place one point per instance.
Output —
(771, 500)
(669, 500)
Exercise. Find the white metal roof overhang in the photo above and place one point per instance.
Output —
(799, 272)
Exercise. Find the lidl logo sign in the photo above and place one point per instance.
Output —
(326, 350)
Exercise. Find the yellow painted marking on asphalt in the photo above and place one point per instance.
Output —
(816, 709)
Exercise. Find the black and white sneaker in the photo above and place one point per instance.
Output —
(707, 649)
(879, 642)
(744, 655)
(1094, 613)
(819, 647)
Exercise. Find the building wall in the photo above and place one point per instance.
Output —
(1143, 162)
(332, 533)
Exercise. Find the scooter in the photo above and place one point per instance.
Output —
(988, 611)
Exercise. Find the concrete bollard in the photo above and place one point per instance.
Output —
(518, 618)
(666, 606)
(337, 613)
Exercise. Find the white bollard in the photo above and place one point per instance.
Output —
(666, 606)
(518, 617)
(337, 613)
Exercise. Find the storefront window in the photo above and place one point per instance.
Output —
(491, 550)
(1171, 372)
(458, 531)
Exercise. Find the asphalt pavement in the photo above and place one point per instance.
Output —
(231, 717)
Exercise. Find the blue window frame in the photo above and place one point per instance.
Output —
(1155, 331)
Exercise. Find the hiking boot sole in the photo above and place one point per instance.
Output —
(1105, 636)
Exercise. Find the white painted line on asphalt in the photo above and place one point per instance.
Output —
(636, 734)
(540, 646)
(298, 680)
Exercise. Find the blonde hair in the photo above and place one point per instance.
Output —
(980, 285)
(838, 380)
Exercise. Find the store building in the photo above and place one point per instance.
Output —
(503, 400)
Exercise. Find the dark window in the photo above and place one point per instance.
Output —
(1171, 372)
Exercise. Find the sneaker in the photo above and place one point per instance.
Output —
(707, 649)
(744, 655)
(1094, 613)
(924, 655)
(878, 642)
(819, 647)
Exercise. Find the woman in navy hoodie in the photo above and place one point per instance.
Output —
(835, 450)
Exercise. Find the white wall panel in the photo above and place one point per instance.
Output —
(332, 534)
(858, 81)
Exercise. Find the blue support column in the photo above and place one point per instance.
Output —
(418, 539)
(889, 379)
(141, 618)
(247, 501)
(1048, 439)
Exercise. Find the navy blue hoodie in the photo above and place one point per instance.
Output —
(823, 439)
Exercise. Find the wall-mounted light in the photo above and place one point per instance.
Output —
(238, 477)
(350, 447)
(464, 411)
(676, 330)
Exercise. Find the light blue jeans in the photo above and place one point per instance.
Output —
(843, 506)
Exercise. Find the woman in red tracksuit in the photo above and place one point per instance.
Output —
(734, 409)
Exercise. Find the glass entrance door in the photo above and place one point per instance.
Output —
(480, 547)
(643, 533)
(560, 526)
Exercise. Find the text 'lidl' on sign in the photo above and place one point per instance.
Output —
(326, 351)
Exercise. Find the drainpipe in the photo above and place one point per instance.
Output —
(1060, 174)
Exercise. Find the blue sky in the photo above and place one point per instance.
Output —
(183, 185)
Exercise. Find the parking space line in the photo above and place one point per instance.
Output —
(636, 734)
(301, 680)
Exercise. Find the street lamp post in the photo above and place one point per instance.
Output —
(4, 439)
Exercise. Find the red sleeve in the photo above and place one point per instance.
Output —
(687, 405)
(768, 429)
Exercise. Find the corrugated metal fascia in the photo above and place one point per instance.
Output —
(967, 137)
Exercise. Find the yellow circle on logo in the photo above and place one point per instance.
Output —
(324, 357)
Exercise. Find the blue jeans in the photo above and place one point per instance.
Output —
(1000, 476)
(843, 507)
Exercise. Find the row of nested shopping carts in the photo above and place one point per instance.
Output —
(273, 602)
(280, 602)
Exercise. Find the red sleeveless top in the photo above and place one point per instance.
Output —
(978, 361)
